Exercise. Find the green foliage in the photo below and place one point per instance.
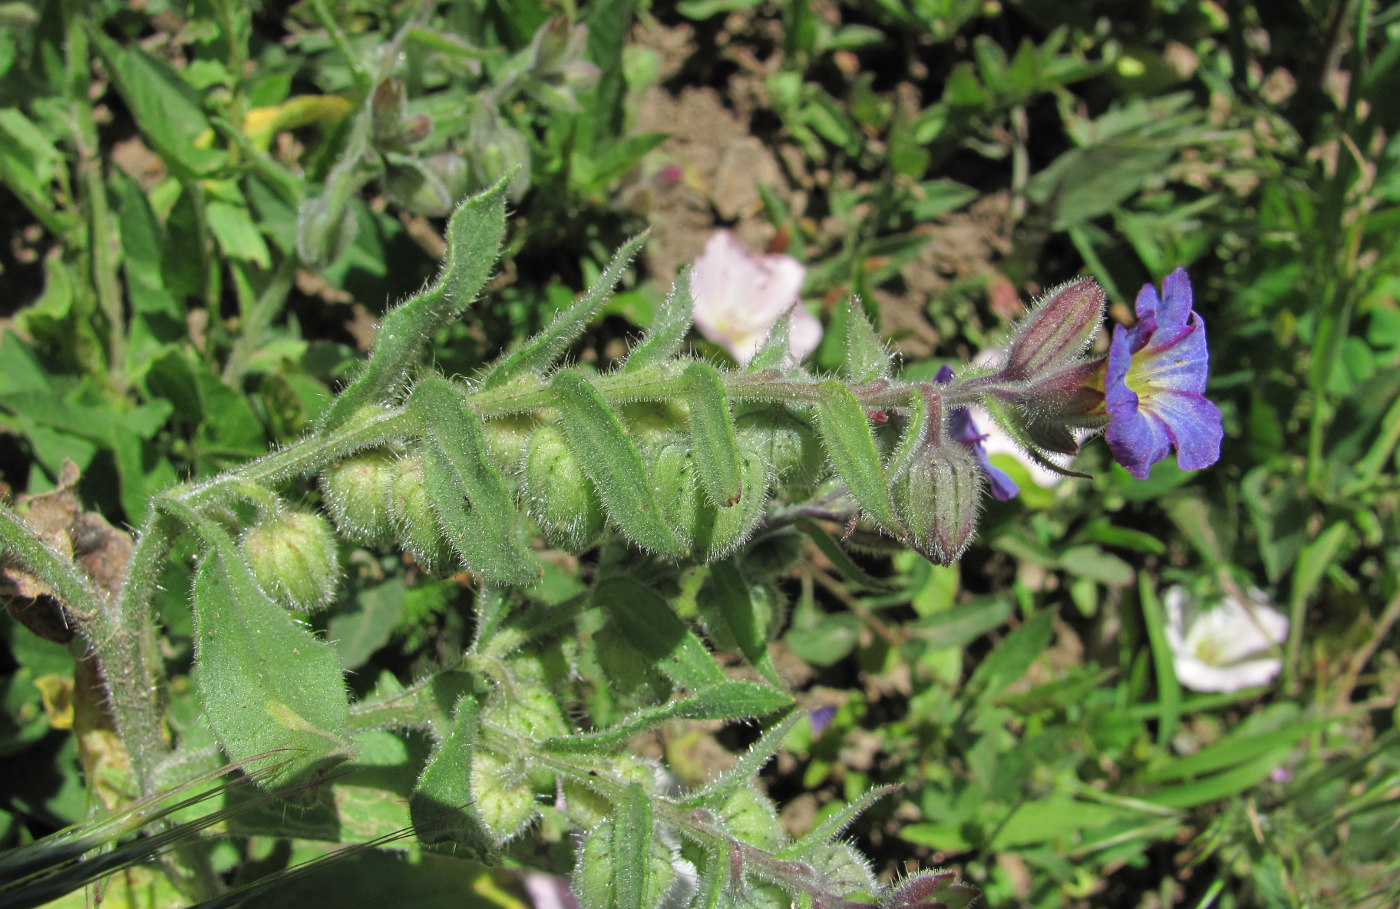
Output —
(619, 547)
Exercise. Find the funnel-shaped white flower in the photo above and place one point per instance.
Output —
(740, 296)
(1224, 647)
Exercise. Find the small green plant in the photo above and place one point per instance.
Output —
(687, 475)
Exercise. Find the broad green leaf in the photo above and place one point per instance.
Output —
(441, 805)
(166, 108)
(714, 446)
(732, 699)
(611, 461)
(846, 431)
(540, 352)
(474, 509)
(732, 601)
(358, 632)
(632, 837)
(866, 357)
(264, 681)
(238, 237)
(1013, 656)
(667, 330)
(649, 624)
(473, 242)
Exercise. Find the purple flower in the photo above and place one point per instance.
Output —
(1153, 384)
(962, 429)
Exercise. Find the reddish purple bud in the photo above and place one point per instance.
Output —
(1056, 331)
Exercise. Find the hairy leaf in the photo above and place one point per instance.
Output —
(264, 681)
(846, 431)
(866, 357)
(611, 462)
(649, 624)
(714, 445)
(540, 352)
(441, 805)
(667, 331)
(474, 508)
(473, 242)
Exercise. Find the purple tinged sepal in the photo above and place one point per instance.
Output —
(929, 890)
(1055, 332)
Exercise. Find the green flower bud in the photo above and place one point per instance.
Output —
(677, 490)
(294, 558)
(415, 521)
(560, 498)
(787, 444)
(506, 438)
(938, 498)
(720, 531)
(357, 496)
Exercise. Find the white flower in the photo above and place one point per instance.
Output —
(1225, 647)
(738, 298)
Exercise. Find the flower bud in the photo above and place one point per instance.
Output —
(558, 495)
(357, 496)
(1055, 332)
(294, 559)
(415, 520)
(938, 498)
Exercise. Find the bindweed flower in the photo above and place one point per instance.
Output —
(739, 297)
(961, 428)
(1154, 380)
(1225, 647)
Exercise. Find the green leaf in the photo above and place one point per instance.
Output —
(667, 330)
(648, 623)
(473, 243)
(850, 444)
(357, 633)
(776, 350)
(866, 357)
(238, 237)
(838, 556)
(726, 590)
(441, 804)
(714, 445)
(165, 107)
(1013, 656)
(264, 681)
(732, 699)
(474, 509)
(1168, 688)
(611, 461)
(632, 836)
(540, 352)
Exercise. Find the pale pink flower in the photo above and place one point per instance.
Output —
(740, 296)
(1225, 647)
